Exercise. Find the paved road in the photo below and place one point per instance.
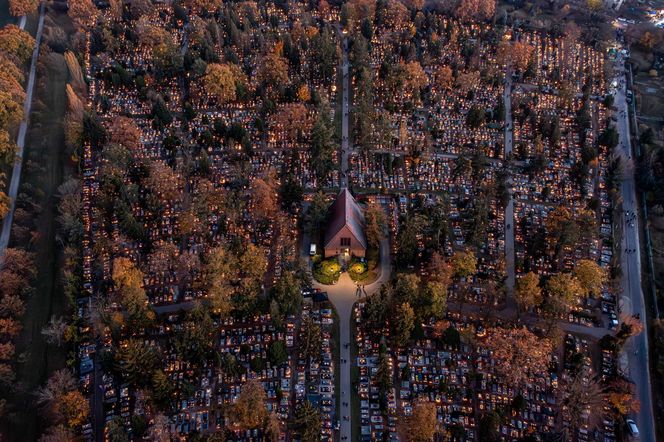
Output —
(20, 141)
(509, 209)
(632, 294)
(345, 107)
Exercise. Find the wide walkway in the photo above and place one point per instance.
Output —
(343, 296)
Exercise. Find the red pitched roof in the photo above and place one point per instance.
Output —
(345, 212)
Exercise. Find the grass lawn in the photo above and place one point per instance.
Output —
(365, 272)
(44, 170)
(326, 271)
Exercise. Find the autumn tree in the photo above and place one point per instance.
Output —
(475, 9)
(293, 120)
(11, 111)
(264, 198)
(63, 400)
(7, 148)
(273, 70)
(128, 281)
(519, 353)
(124, 132)
(464, 263)
(18, 8)
(165, 182)
(515, 54)
(443, 77)
(16, 42)
(248, 411)
(421, 425)
(220, 268)
(591, 277)
(527, 291)
(83, 13)
(561, 290)
(222, 80)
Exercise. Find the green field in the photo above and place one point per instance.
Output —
(44, 171)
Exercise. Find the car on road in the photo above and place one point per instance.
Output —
(632, 428)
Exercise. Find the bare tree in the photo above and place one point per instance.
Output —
(54, 331)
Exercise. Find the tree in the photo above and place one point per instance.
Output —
(64, 401)
(74, 407)
(288, 293)
(124, 132)
(54, 331)
(582, 397)
(264, 198)
(561, 290)
(273, 70)
(18, 8)
(475, 9)
(464, 263)
(137, 361)
(443, 77)
(416, 78)
(11, 111)
(128, 281)
(527, 291)
(220, 272)
(435, 294)
(58, 433)
(4, 204)
(407, 287)
(591, 277)
(16, 42)
(308, 422)
(248, 411)
(421, 425)
(322, 145)
(488, 427)
(221, 80)
(516, 54)
(293, 120)
(316, 213)
(440, 270)
(277, 353)
(375, 224)
(83, 13)
(9, 327)
(164, 182)
(311, 339)
(519, 353)
(404, 323)
(159, 430)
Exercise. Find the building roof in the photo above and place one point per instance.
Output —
(345, 212)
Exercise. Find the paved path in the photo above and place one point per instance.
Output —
(22, 131)
(632, 294)
(345, 107)
(343, 296)
(509, 208)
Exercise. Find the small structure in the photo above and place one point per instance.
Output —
(345, 230)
